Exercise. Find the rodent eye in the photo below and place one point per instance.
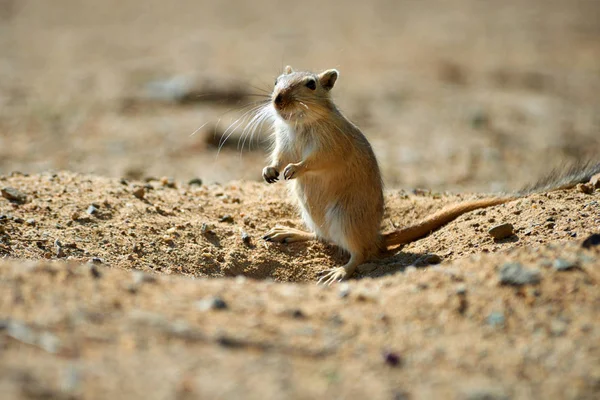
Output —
(311, 84)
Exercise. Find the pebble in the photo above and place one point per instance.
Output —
(501, 231)
(585, 188)
(590, 241)
(139, 192)
(168, 182)
(211, 303)
(514, 274)
(392, 358)
(31, 222)
(195, 182)
(12, 194)
(246, 238)
(560, 264)
(59, 249)
(91, 210)
(226, 218)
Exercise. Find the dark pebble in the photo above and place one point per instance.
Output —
(501, 231)
(139, 192)
(195, 182)
(226, 218)
(246, 238)
(212, 303)
(391, 358)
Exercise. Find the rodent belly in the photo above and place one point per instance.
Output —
(315, 199)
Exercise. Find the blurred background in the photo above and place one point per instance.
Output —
(463, 95)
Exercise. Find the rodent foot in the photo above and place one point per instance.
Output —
(290, 171)
(333, 275)
(287, 235)
(270, 174)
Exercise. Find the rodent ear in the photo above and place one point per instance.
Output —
(288, 70)
(327, 78)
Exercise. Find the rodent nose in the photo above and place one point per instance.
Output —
(278, 99)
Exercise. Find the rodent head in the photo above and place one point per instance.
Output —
(303, 97)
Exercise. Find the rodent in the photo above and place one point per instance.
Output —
(335, 177)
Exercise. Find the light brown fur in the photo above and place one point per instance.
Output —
(334, 175)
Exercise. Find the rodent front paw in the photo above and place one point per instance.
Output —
(290, 172)
(270, 174)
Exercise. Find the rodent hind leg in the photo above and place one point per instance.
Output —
(284, 234)
(341, 273)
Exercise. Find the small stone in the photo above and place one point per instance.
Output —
(585, 188)
(168, 240)
(246, 238)
(31, 222)
(139, 192)
(91, 210)
(561, 264)
(590, 241)
(206, 229)
(59, 249)
(391, 358)
(211, 303)
(12, 194)
(501, 231)
(496, 319)
(168, 182)
(195, 182)
(514, 274)
(226, 218)
(96, 260)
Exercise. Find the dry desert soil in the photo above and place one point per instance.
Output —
(132, 263)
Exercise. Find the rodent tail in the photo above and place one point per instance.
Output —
(437, 220)
(558, 179)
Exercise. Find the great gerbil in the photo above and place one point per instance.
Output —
(335, 177)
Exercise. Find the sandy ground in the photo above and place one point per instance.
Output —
(122, 278)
